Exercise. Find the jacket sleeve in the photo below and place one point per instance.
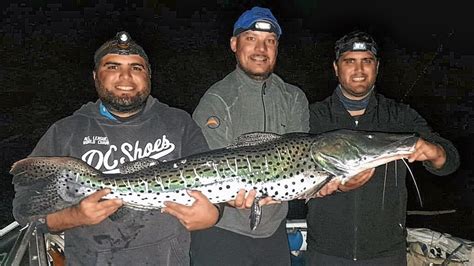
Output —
(299, 113)
(420, 126)
(193, 140)
(212, 117)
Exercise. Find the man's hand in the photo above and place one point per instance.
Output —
(426, 151)
(353, 183)
(244, 202)
(329, 188)
(357, 181)
(91, 210)
(201, 215)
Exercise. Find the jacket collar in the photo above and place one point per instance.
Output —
(339, 107)
(104, 112)
(249, 82)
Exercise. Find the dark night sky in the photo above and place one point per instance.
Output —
(415, 24)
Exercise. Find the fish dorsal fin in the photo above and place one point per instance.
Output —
(254, 138)
(132, 167)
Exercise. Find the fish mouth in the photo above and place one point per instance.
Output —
(401, 150)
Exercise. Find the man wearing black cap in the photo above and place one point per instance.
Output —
(366, 226)
(126, 124)
(251, 98)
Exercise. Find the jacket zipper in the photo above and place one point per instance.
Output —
(264, 86)
(354, 251)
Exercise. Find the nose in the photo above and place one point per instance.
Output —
(261, 46)
(359, 67)
(126, 73)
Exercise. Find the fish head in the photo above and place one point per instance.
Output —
(345, 153)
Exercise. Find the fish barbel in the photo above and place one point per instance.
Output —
(284, 167)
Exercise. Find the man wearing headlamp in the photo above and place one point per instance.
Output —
(251, 98)
(116, 129)
(366, 226)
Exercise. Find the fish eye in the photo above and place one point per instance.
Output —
(370, 136)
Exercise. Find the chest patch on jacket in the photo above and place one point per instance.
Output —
(213, 122)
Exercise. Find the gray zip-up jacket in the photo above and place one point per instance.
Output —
(237, 105)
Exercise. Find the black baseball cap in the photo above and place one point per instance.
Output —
(355, 41)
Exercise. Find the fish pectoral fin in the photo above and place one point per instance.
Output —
(255, 214)
(131, 167)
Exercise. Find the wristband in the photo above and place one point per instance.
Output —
(220, 209)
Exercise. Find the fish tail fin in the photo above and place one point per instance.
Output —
(40, 184)
(29, 170)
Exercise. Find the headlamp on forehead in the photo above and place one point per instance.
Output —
(121, 44)
(258, 19)
(123, 36)
(356, 47)
(359, 46)
(355, 41)
(263, 25)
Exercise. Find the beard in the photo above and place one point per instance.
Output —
(122, 104)
(253, 75)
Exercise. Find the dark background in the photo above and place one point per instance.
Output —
(46, 50)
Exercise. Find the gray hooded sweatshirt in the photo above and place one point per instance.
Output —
(129, 237)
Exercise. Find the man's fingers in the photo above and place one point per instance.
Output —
(96, 196)
(172, 211)
(174, 206)
(197, 195)
(268, 201)
(240, 199)
(175, 209)
(111, 203)
(250, 198)
(329, 188)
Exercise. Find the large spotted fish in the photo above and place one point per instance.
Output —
(284, 167)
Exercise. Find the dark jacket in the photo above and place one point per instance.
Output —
(368, 222)
(133, 237)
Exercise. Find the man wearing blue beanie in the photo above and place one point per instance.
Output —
(250, 98)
